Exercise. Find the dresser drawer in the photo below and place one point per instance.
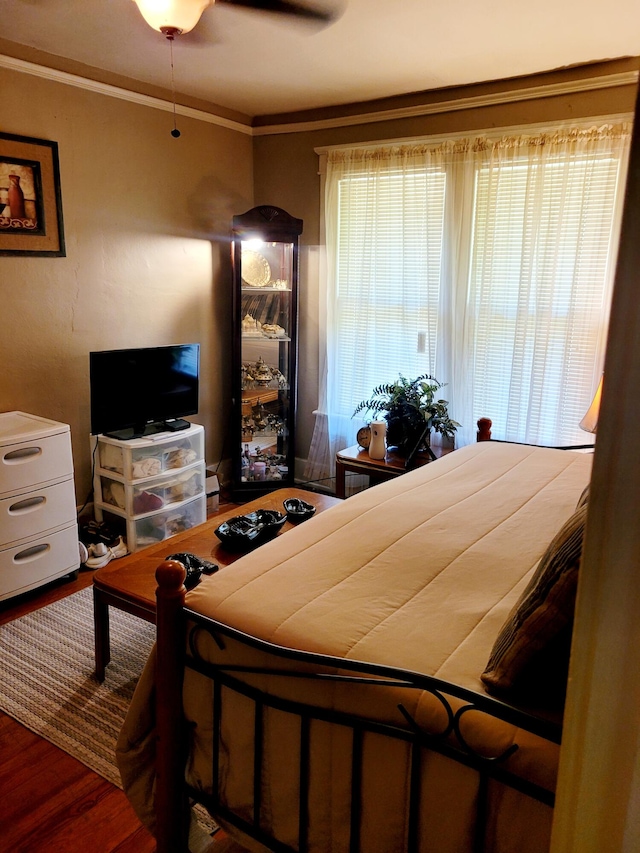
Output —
(43, 559)
(26, 464)
(34, 513)
(143, 530)
(154, 493)
(142, 458)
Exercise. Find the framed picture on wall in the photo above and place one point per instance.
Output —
(30, 197)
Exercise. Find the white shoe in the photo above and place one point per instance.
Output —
(97, 549)
(101, 554)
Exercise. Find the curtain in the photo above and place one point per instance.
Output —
(486, 262)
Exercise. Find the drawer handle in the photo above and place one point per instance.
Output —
(30, 554)
(27, 505)
(24, 454)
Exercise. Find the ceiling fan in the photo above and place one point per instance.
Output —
(174, 17)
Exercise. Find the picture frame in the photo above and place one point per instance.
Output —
(30, 197)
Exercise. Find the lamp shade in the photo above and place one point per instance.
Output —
(179, 15)
(589, 422)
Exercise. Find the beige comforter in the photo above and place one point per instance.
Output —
(417, 573)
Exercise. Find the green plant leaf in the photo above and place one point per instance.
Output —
(398, 399)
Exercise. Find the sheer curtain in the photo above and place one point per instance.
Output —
(546, 222)
(485, 262)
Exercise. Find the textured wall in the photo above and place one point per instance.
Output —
(146, 220)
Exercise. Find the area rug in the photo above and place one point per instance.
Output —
(47, 683)
(47, 679)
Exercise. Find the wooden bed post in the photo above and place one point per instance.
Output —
(172, 826)
(484, 429)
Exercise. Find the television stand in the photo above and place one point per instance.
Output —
(151, 487)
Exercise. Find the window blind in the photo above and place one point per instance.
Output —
(388, 278)
(538, 291)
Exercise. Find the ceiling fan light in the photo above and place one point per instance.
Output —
(178, 15)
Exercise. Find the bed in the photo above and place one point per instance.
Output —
(388, 676)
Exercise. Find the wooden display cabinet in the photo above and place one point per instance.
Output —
(265, 333)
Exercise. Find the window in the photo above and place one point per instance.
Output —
(487, 263)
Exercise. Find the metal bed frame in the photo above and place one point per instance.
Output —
(172, 794)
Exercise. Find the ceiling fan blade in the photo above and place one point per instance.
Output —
(284, 7)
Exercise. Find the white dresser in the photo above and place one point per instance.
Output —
(38, 525)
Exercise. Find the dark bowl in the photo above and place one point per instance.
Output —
(248, 531)
(298, 510)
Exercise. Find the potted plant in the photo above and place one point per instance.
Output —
(411, 410)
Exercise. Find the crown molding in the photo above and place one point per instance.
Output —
(552, 90)
(117, 92)
(492, 132)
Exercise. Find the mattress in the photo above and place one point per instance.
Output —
(419, 572)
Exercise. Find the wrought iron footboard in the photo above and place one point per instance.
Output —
(450, 742)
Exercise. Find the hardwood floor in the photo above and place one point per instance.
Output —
(49, 800)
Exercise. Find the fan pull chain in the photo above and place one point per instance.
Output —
(175, 132)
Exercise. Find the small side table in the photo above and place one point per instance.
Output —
(358, 461)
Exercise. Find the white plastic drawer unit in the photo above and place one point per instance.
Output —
(33, 563)
(38, 527)
(148, 495)
(144, 530)
(34, 461)
(158, 526)
(32, 513)
(142, 458)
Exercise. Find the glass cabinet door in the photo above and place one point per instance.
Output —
(265, 273)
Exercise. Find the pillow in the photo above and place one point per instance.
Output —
(583, 500)
(528, 640)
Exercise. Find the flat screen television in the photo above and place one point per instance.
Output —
(139, 392)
